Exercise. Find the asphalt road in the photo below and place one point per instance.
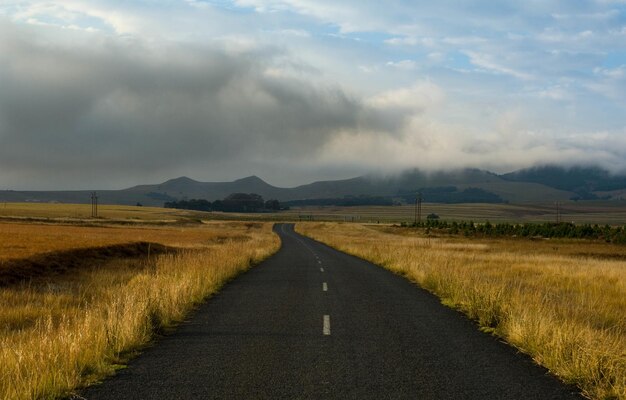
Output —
(314, 323)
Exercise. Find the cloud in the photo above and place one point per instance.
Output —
(610, 83)
(416, 99)
(403, 64)
(347, 16)
(115, 106)
(74, 12)
(112, 106)
(292, 90)
(487, 63)
(411, 41)
(433, 146)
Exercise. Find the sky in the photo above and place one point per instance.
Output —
(99, 94)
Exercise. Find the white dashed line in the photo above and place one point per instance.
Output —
(325, 287)
(319, 262)
(321, 269)
(326, 328)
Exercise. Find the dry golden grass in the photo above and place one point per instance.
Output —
(600, 212)
(71, 331)
(83, 211)
(564, 303)
(22, 240)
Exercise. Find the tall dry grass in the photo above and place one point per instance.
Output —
(565, 310)
(77, 329)
(23, 240)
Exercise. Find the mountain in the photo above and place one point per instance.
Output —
(408, 183)
(588, 183)
(538, 185)
(183, 187)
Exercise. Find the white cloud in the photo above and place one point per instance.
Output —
(416, 98)
(344, 15)
(72, 12)
(612, 73)
(610, 83)
(436, 57)
(411, 41)
(556, 93)
(487, 63)
(403, 64)
(295, 32)
(464, 41)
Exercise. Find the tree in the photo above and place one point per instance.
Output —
(243, 202)
(236, 202)
(272, 205)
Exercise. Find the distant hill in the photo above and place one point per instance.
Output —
(400, 186)
(186, 188)
(538, 185)
(588, 183)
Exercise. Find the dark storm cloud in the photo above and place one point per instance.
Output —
(118, 105)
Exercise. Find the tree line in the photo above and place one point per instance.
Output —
(544, 230)
(235, 202)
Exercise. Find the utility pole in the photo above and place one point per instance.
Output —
(558, 212)
(418, 208)
(94, 205)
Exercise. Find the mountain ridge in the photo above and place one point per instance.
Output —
(536, 184)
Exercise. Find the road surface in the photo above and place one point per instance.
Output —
(314, 323)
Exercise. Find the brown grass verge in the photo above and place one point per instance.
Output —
(563, 309)
(61, 334)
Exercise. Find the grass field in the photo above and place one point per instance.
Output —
(562, 302)
(82, 213)
(21, 240)
(76, 326)
(613, 213)
(607, 212)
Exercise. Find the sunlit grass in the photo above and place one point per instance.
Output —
(22, 240)
(562, 302)
(75, 329)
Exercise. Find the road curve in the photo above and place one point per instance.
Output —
(314, 323)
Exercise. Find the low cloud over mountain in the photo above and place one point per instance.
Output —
(105, 94)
